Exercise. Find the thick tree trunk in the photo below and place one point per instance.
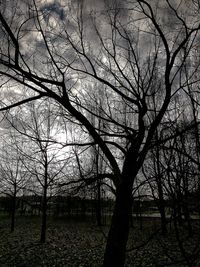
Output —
(119, 230)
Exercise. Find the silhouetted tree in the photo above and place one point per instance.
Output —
(43, 157)
(121, 47)
(13, 173)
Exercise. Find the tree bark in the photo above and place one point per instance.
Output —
(118, 235)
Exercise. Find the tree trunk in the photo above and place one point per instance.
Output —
(163, 219)
(188, 219)
(179, 210)
(119, 229)
(186, 213)
(98, 205)
(13, 213)
(159, 182)
(13, 209)
(44, 217)
(44, 204)
(161, 206)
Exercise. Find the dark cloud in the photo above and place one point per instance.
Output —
(55, 8)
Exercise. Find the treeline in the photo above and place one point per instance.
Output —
(76, 206)
(58, 206)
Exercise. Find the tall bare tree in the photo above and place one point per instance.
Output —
(133, 50)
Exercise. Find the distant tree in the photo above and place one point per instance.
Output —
(155, 176)
(43, 157)
(13, 174)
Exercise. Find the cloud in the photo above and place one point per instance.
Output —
(53, 7)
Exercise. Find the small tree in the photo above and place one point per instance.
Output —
(43, 158)
(13, 173)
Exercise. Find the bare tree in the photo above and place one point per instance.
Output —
(13, 174)
(43, 157)
(129, 51)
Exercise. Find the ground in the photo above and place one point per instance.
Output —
(80, 244)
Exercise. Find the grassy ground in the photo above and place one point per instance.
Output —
(76, 244)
